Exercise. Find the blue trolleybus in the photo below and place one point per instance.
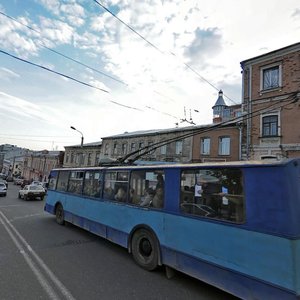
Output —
(233, 225)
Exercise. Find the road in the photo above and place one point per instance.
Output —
(40, 259)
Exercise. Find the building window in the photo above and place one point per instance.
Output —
(205, 146)
(132, 147)
(97, 159)
(141, 147)
(270, 77)
(178, 147)
(115, 148)
(89, 159)
(270, 126)
(224, 145)
(163, 149)
(124, 148)
(106, 149)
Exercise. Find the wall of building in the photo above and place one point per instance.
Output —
(214, 155)
(86, 156)
(274, 101)
(178, 150)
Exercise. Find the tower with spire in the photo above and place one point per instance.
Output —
(220, 109)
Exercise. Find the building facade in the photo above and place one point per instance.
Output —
(219, 144)
(165, 145)
(87, 155)
(271, 92)
(38, 164)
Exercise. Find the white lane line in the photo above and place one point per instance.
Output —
(42, 280)
(54, 279)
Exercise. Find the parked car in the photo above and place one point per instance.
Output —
(35, 182)
(18, 181)
(25, 182)
(3, 189)
(32, 192)
(4, 181)
(9, 179)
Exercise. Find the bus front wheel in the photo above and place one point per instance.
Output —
(145, 249)
(59, 214)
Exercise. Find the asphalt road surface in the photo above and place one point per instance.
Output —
(40, 259)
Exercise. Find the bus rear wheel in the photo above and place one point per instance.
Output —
(145, 249)
(59, 215)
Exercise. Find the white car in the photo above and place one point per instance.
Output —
(32, 192)
(3, 189)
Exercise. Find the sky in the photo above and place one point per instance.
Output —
(108, 67)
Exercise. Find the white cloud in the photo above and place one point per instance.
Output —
(211, 37)
(8, 74)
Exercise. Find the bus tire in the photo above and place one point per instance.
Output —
(145, 249)
(59, 215)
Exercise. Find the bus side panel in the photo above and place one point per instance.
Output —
(296, 253)
(273, 199)
(265, 257)
(238, 284)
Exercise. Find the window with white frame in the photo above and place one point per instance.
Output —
(132, 147)
(205, 146)
(178, 147)
(270, 125)
(224, 145)
(163, 149)
(270, 77)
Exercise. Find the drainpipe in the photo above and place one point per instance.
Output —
(249, 118)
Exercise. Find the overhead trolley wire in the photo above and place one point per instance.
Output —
(160, 51)
(69, 77)
(87, 66)
(294, 97)
(61, 54)
(52, 71)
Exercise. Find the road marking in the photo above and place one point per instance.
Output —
(15, 235)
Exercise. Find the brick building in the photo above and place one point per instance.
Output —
(38, 164)
(271, 92)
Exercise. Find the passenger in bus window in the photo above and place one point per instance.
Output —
(147, 199)
(158, 199)
(160, 182)
(121, 195)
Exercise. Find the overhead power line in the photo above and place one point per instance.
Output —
(85, 65)
(61, 54)
(156, 48)
(52, 71)
(293, 98)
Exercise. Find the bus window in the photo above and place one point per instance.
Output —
(75, 182)
(62, 181)
(52, 180)
(116, 185)
(147, 188)
(92, 183)
(214, 193)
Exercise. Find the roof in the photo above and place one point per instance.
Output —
(93, 144)
(156, 131)
(220, 101)
(280, 52)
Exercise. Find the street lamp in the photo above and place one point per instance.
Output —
(72, 127)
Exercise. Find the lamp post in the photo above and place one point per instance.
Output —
(72, 127)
